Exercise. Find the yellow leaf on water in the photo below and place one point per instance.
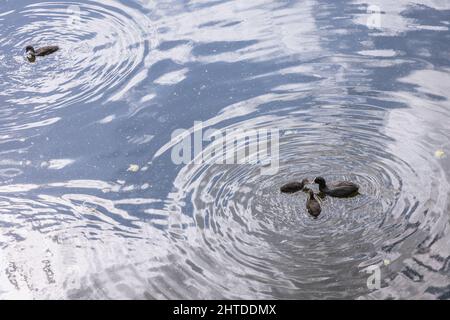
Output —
(133, 168)
(439, 154)
(386, 262)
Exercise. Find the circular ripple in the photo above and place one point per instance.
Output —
(250, 228)
(101, 46)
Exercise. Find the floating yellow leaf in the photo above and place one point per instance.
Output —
(386, 262)
(133, 168)
(439, 154)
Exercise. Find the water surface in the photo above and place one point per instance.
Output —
(358, 91)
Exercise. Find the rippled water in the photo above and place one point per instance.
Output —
(92, 205)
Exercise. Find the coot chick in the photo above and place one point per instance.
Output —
(44, 51)
(340, 189)
(313, 205)
(294, 186)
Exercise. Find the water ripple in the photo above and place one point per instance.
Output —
(93, 206)
(101, 47)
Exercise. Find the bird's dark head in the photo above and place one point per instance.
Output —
(31, 55)
(29, 49)
(320, 181)
(311, 193)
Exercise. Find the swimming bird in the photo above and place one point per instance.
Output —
(339, 189)
(294, 186)
(44, 51)
(313, 205)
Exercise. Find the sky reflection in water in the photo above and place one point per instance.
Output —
(351, 100)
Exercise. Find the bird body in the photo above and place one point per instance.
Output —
(340, 189)
(294, 186)
(313, 205)
(40, 52)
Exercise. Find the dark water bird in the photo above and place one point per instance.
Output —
(339, 189)
(41, 52)
(294, 186)
(313, 205)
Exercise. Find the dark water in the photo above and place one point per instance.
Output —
(92, 205)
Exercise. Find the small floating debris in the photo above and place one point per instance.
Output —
(265, 162)
(439, 154)
(133, 168)
(289, 132)
(260, 162)
(386, 262)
